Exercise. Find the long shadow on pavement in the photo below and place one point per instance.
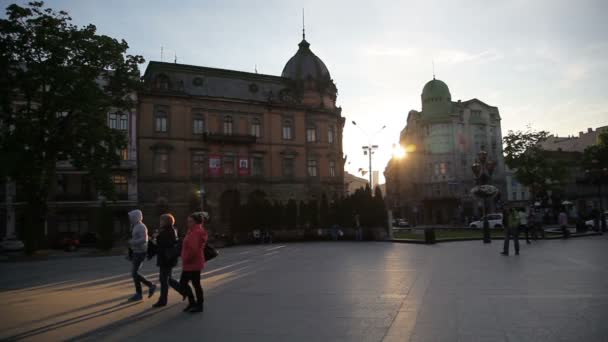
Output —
(71, 321)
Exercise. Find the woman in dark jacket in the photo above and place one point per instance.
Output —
(168, 253)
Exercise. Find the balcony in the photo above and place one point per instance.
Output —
(233, 139)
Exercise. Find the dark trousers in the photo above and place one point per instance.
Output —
(526, 230)
(511, 233)
(565, 232)
(138, 260)
(193, 277)
(538, 231)
(165, 277)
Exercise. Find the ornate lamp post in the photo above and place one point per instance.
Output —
(598, 175)
(483, 168)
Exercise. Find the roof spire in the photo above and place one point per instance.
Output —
(303, 26)
(433, 69)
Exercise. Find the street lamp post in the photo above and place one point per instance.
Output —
(599, 175)
(483, 168)
(369, 149)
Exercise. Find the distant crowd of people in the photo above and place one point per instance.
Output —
(168, 249)
(516, 220)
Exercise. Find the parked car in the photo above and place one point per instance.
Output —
(590, 224)
(400, 223)
(495, 221)
(67, 241)
(11, 245)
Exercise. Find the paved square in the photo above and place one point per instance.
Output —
(463, 291)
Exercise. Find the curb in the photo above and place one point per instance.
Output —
(422, 242)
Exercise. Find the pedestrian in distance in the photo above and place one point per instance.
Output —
(167, 256)
(523, 224)
(563, 223)
(139, 248)
(193, 261)
(511, 226)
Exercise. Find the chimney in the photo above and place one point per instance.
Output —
(589, 130)
(580, 134)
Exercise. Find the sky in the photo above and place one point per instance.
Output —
(543, 63)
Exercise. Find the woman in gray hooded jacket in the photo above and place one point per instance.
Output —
(139, 246)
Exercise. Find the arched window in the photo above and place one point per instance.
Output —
(228, 121)
(162, 82)
(160, 121)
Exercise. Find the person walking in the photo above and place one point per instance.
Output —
(511, 224)
(167, 243)
(523, 224)
(193, 261)
(563, 223)
(139, 248)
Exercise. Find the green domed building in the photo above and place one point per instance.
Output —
(431, 185)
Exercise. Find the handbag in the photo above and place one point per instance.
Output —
(210, 252)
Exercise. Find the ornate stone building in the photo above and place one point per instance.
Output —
(431, 185)
(236, 134)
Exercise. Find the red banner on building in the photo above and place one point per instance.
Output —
(215, 165)
(244, 166)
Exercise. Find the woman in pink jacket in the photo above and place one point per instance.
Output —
(193, 261)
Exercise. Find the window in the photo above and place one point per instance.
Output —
(161, 162)
(228, 125)
(312, 168)
(256, 128)
(198, 125)
(113, 121)
(257, 167)
(523, 195)
(287, 130)
(123, 123)
(124, 154)
(288, 167)
(198, 163)
(311, 134)
(514, 195)
(332, 168)
(160, 121)
(330, 135)
(228, 165)
(120, 184)
(162, 82)
(476, 114)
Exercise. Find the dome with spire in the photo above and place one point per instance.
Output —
(436, 101)
(305, 65)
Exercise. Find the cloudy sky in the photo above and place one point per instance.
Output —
(543, 63)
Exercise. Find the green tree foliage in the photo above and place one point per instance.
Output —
(596, 156)
(532, 165)
(291, 214)
(58, 82)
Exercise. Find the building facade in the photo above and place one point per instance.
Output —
(73, 202)
(235, 135)
(573, 143)
(432, 184)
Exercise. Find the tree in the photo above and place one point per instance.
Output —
(532, 166)
(379, 208)
(324, 212)
(596, 156)
(58, 82)
(291, 214)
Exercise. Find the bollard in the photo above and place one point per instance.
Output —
(429, 236)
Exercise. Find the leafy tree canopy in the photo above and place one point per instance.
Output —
(532, 165)
(57, 84)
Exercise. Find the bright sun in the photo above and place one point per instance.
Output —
(398, 152)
